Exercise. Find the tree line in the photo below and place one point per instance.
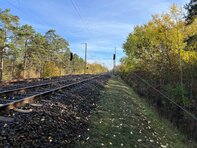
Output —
(25, 53)
(163, 53)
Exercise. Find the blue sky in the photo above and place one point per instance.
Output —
(103, 24)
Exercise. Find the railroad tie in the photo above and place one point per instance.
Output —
(22, 110)
(35, 105)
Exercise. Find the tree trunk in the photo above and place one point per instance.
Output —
(24, 63)
(1, 64)
(60, 69)
(25, 60)
(13, 69)
(191, 76)
(29, 74)
(40, 70)
(180, 64)
(181, 71)
(2, 56)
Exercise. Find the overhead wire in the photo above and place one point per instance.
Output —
(76, 8)
(179, 106)
(24, 13)
(165, 96)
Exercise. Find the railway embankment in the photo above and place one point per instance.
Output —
(123, 119)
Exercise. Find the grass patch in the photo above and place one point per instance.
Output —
(122, 119)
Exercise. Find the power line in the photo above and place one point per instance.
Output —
(12, 5)
(165, 96)
(24, 13)
(76, 8)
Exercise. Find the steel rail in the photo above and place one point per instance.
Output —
(31, 79)
(15, 81)
(19, 81)
(21, 102)
(29, 87)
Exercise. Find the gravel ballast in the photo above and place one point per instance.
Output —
(62, 119)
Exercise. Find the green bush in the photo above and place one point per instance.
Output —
(178, 94)
(50, 70)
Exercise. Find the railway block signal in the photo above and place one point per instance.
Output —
(114, 56)
(71, 56)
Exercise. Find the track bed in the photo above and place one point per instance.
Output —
(60, 121)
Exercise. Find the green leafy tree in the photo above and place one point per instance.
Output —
(156, 50)
(24, 53)
(50, 70)
(77, 64)
(55, 44)
(25, 35)
(38, 53)
(191, 21)
(8, 25)
(191, 8)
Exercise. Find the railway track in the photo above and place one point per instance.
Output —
(32, 81)
(29, 80)
(15, 81)
(58, 119)
(17, 97)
